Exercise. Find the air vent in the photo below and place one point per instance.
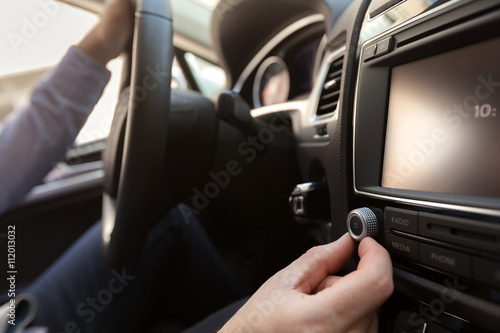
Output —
(331, 89)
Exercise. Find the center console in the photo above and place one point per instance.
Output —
(426, 156)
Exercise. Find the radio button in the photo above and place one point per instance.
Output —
(401, 219)
(486, 271)
(446, 260)
(401, 246)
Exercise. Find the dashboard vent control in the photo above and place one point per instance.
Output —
(330, 94)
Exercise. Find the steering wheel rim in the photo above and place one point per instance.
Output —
(135, 154)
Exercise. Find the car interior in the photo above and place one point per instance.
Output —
(372, 117)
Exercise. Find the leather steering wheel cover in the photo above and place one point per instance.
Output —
(128, 218)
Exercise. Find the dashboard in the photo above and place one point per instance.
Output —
(394, 108)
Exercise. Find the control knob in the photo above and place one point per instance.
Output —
(362, 222)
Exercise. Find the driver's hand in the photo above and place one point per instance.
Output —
(304, 297)
(110, 36)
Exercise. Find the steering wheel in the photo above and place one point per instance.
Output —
(135, 154)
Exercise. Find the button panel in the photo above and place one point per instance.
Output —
(424, 228)
(378, 49)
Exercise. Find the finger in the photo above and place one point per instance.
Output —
(361, 292)
(327, 283)
(305, 273)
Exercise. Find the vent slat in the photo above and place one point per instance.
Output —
(333, 84)
(335, 73)
(328, 107)
(338, 62)
(330, 94)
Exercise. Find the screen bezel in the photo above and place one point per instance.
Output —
(372, 101)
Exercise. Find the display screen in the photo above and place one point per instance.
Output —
(443, 124)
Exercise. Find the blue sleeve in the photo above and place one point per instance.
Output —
(34, 139)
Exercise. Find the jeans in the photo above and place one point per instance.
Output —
(179, 280)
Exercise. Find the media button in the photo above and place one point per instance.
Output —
(446, 260)
(401, 246)
(401, 219)
(486, 271)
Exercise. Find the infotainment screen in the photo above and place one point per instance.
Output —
(443, 123)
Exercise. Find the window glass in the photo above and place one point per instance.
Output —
(211, 79)
(35, 35)
(178, 79)
(99, 122)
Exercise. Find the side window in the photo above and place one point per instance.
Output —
(34, 36)
(211, 79)
(178, 79)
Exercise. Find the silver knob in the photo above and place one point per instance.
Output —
(362, 222)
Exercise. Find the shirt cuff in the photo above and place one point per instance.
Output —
(79, 78)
